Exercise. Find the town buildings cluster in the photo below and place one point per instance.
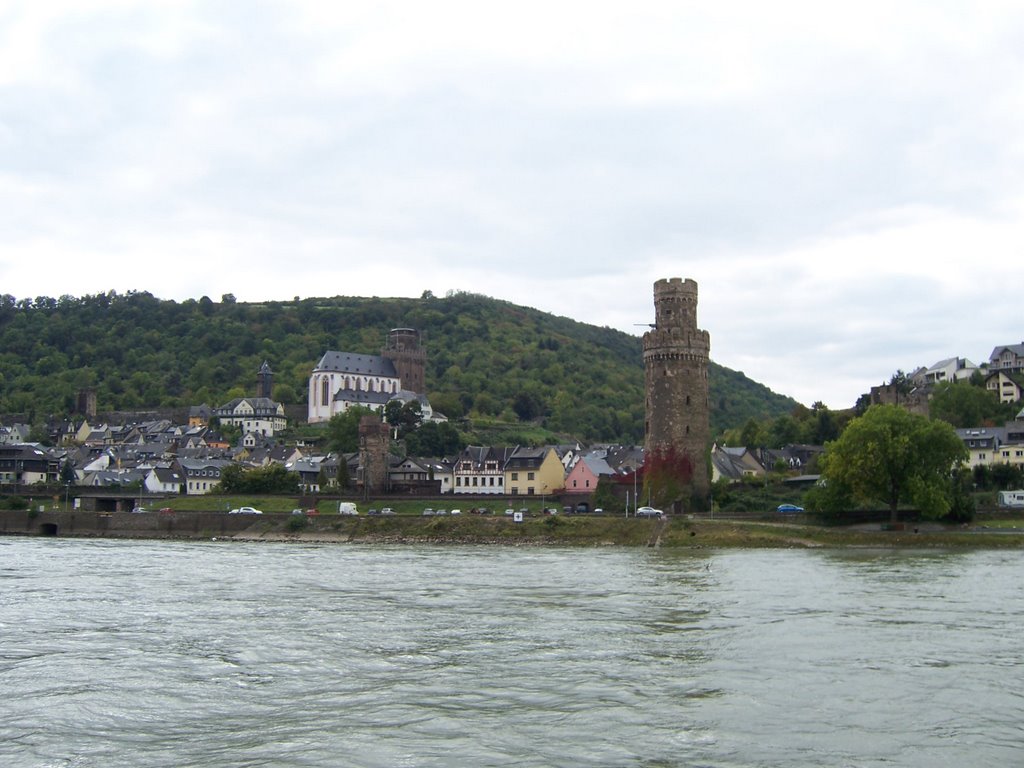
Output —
(159, 456)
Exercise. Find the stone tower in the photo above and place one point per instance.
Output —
(410, 359)
(264, 381)
(374, 439)
(676, 354)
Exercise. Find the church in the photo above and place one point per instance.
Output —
(343, 379)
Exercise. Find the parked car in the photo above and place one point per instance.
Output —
(598, 511)
(789, 509)
(372, 511)
(387, 511)
(510, 512)
(428, 512)
(246, 511)
(347, 508)
(455, 512)
(298, 511)
(648, 512)
(140, 510)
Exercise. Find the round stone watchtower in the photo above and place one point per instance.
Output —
(676, 355)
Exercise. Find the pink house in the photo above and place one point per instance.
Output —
(583, 477)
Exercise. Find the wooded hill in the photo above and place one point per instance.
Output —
(488, 360)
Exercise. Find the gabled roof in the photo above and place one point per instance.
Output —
(348, 362)
(598, 465)
(1017, 349)
(524, 457)
(167, 475)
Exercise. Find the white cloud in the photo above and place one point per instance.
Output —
(843, 181)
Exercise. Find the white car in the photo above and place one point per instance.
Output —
(246, 511)
(387, 511)
(648, 512)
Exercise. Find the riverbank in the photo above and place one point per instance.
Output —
(580, 531)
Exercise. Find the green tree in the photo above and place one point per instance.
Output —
(342, 477)
(434, 439)
(965, 405)
(403, 416)
(342, 434)
(893, 457)
(752, 435)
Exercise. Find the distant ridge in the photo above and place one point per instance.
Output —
(487, 359)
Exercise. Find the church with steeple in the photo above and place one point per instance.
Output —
(341, 380)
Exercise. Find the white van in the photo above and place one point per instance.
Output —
(347, 508)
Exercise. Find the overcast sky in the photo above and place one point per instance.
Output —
(843, 180)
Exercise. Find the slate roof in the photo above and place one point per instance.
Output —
(360, 397)
(349, 362)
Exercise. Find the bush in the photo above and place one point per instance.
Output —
(297, 523)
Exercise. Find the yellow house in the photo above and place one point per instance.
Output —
(1003, 386)
(534, 472)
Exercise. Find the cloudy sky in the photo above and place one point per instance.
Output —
(845, 181)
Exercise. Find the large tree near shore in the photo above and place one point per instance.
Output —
(893, 457)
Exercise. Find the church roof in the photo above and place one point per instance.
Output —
(349, 362)
(360, 397)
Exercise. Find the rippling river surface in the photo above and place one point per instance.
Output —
(134, 653)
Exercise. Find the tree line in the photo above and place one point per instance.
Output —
(487, 359)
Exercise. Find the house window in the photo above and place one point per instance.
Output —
(474, 482)
(529, 475)
(573, 483)
(324, 391)
(515, 475)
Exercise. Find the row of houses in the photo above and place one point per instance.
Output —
(161, 457)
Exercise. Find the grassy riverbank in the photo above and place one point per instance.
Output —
(607, 531)
(559, 530)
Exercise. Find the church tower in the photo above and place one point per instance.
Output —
(409, 358)
(676, 355)
(264, 381)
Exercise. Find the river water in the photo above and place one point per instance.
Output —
(135, 653)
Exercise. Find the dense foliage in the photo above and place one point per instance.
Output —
(892, 457)
(487, 359)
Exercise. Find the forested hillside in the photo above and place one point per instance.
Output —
(487, 359)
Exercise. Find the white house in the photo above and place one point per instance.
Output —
(258, 415)
(163, 480)
(201, 475)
